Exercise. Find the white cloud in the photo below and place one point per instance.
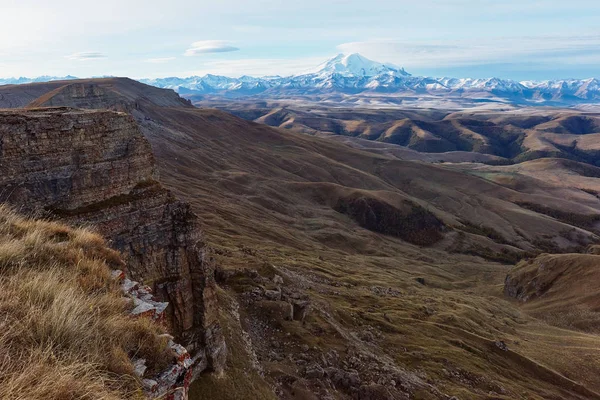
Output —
(162, 60)
(558, 49)
(258, 66)
(86, 55)
(209, 46)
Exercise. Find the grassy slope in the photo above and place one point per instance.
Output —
(561, 289)
(65, 332)
(516, 136)
(264, 198)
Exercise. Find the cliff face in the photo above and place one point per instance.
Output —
(95, 167)
(88, 96)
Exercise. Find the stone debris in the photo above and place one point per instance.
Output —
(273, 294)
(357, 371)
(278, 280)
(382, 291)
(139, 367)
(128, 285)
(143, 301)
(172, 383)
(501, 345)
(149, 385)
(118, 275)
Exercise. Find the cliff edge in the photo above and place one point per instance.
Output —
(96, 168)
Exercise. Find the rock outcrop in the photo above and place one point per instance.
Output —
(172, 383)
(102, 94)
(96, 168)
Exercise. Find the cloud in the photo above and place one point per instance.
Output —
(258, 66)
(86, 55)
(159, 60)
(543, 49)
(209, 46)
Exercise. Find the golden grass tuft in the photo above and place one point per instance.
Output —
(65, 329)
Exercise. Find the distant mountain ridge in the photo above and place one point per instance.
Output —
(355, 74)
(44, 78)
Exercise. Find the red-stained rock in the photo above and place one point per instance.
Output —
(174, 382)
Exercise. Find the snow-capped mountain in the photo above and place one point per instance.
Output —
(355, 65)
(355, 74)
(44, 78)
(342, 72)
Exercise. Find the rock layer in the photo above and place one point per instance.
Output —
(95, 167)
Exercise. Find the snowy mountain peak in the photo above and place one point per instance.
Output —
(355, 65)
(354, 74)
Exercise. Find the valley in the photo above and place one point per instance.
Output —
(490, 136)
(363, 253)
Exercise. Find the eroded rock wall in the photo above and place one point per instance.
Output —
(95, 167)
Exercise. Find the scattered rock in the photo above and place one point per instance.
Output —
(277, 310)
(367, 336)
(343, 379)
(173, 383)
(301, 310)
(139, 367)
(381, 291)
(374, 392)
(273, 294)
(278, 280)
(149, 385)
(501, 345)
(315, 372)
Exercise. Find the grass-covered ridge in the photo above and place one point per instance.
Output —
(65, 328)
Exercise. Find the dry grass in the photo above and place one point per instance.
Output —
(65, 328)
(265, 197)
(561, 289)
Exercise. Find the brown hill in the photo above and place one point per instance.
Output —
(328, 306)
(561, 289)
(510, 136)
(88, 93)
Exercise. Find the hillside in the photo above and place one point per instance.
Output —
(328, 289)
(67, 325)
(88, 93)
(498, 137)
(560, 289)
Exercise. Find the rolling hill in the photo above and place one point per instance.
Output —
(497, 137)
(349, 272)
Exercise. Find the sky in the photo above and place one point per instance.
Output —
(513, 39)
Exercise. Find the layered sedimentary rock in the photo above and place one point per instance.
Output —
(95, 167)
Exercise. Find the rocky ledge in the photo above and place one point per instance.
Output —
(173, 383)
(96, 168)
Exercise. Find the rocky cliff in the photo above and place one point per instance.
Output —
(95, 167)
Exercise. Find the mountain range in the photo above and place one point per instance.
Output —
(356, 75)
